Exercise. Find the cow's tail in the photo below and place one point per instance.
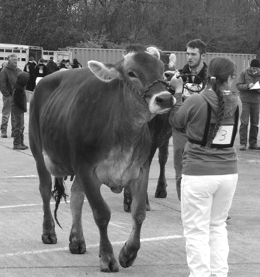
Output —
(58, 193)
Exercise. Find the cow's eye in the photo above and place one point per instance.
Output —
(131, 74)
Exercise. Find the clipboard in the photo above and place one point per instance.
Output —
(256, 86)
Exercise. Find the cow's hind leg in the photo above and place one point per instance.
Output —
(102, 214)
(161, 191)
(48, 233)
(45, 186)
(77, 242)
(128, 253)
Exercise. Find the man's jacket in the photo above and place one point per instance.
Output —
(8, 77)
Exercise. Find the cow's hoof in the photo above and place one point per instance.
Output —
(147, 207)
(160, 193)
(109, 265)
(49, 238)
(77, 247)
(126, 259)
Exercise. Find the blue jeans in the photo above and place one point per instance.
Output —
(249, 110)
(6, 111)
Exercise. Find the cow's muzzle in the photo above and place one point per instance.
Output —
(165, 99)
(162, 102)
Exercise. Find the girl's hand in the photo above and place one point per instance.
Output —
(176, 82)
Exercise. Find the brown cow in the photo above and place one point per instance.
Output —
(92, 123)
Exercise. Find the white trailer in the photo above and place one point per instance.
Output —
(23, 53)
(57, 55)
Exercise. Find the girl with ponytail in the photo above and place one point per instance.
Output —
(209, 166)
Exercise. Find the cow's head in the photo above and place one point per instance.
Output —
(141, 71)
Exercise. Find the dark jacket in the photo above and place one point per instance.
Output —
(30, 67)
(202, 74)
(246, 94)
(8, 77)
(51, 67)
(19, 100)
(41, 70)
(76, 64)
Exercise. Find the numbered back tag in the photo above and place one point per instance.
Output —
(224, 135)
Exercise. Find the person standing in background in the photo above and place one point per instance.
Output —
(19, 107)
(51, 66)
(8, 77)
(3, 65)
(68, 65)
(76, 64)
(40, 70)
(30, 68)
(195, 53)
(250, 105)
(62, 65)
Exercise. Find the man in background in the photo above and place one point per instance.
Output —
(30, 68)
(40, 70)
(250, 105)
(195, 53)
(8, 78)
(51, 66)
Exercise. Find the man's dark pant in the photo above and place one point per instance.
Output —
(18, 129)
(6, 111)
(249, 110)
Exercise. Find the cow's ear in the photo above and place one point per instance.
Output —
(153, 51)
(104, 72)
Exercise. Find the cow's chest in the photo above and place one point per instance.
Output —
(119, 167)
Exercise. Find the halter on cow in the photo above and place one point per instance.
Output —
(92, 123)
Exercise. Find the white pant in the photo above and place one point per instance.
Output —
(205, 203)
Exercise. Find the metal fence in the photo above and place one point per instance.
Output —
(83, 55)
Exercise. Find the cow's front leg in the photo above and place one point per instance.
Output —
(161, 191)
(129, 251)
(102, 214)
(77, 242)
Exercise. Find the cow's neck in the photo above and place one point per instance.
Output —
(130, 115)
(136, 106)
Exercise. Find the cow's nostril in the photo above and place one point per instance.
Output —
(159, 99)
(164, 100)
(167, 75)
